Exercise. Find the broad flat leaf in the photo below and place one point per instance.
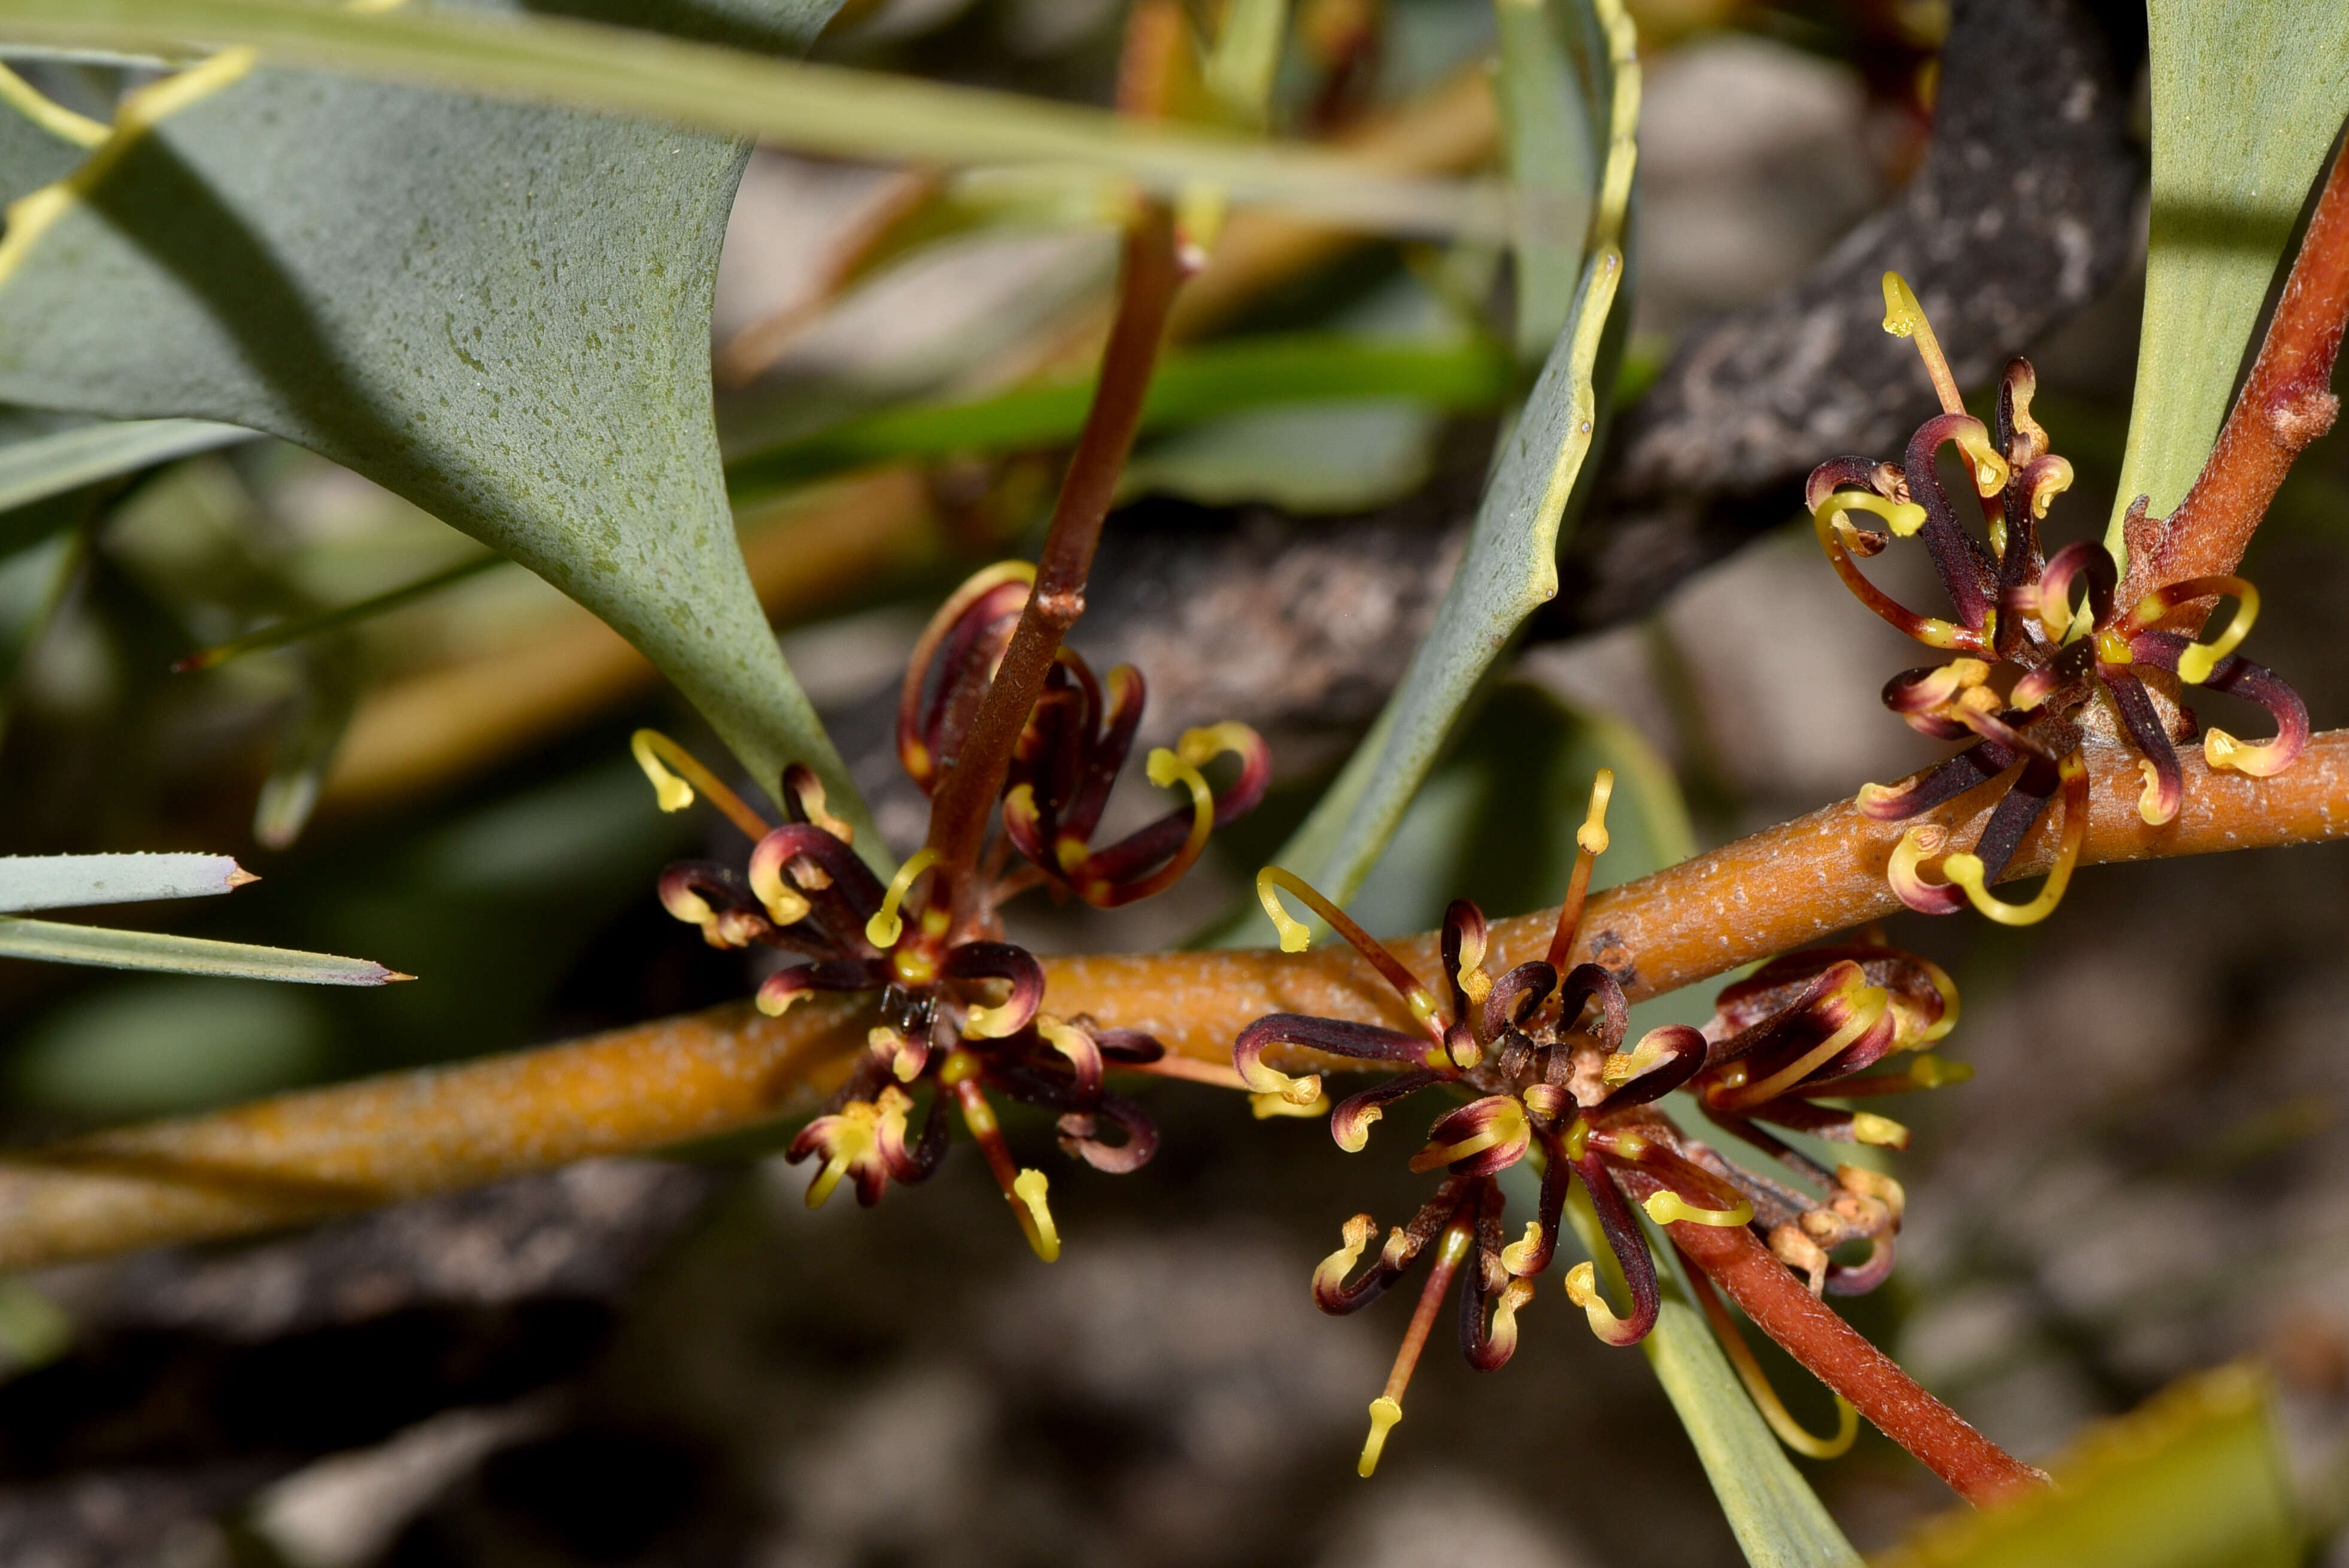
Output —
(72, 882)
(1510, 567)
(499, 311)
(2246, 102)
(31, 157)
(1778, 1519)
(828, 110)
(47, 942)
(2195, 1478)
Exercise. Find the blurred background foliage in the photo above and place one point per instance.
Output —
(722, 1377)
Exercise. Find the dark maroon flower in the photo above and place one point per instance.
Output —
(2029, 663)
(958, 1008)
(1537, 1062)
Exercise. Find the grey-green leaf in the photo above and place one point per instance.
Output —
(73, 882)
(499, 311)
(855, 114)
(82, 452)
(1510, 566)
(1554, 150)
(1778, 1520)
(2246, 102)
(47, 942)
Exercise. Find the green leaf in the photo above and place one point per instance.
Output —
(50, 943)
(85, 451)
(1240, 69)
(1495, 822)
(73, 882)
(30, 155)
(1553, 144)
(1510, 567)
(2246, 102)
(2195, 1478)
(827, 110)
(1778, 1519)
(498, 310)
(1312, 457)
(1204, 383)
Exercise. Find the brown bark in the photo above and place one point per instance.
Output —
(1976, 1467)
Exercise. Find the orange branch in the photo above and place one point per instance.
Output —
(297, 1156)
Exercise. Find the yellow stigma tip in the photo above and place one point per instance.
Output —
(1592, 834)
(1384, 1414)
(1901, 312)
(1932, 1072)
(1881, 1132)
(1668, 1207)
(1029, 1188)
(886, 926)
(1264, 1107)
(673, 793)
(1294, 936)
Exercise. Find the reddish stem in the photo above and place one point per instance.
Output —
(2286, 403)
(958, 812)
(1977, 1468)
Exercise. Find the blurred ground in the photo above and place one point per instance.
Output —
(676, 1364)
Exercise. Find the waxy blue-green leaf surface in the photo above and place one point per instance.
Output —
(47, 942)
(1510, 566)
(72, 882)
(500, 310)
(2247, 99)
(828, 110)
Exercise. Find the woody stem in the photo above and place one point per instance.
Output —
(1976, 1467)
(379, 1140)
(1147, 280)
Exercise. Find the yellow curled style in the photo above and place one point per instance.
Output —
(1758, 1383)
(1966, 870)
(651, 750)
(886, 926)
(1296, 937)
(1666, 1207)
(2196, 661)
(1028, 1189)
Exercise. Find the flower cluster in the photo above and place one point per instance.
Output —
(1536, 1056)
(959, 1007)
(2029, 664)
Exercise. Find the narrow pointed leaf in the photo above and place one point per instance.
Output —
(39, 467)
(2246, 102)
(47, 942)
(829, 109)
(1211, 382)
(70, 881)
(1778, 1520)
(499, 311)
(1510, 567)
